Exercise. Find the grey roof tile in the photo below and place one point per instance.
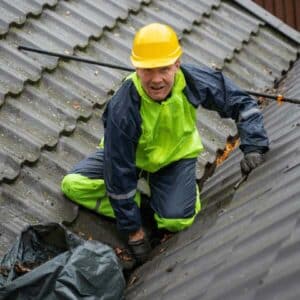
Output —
(37, 187)
(291, 87)
(257, 66)
(68, 26)
(217, 37)
(16, 11)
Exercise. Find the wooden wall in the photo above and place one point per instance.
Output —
(287, 10)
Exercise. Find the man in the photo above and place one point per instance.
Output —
(150, 128)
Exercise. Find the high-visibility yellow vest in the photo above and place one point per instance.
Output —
(169, 131)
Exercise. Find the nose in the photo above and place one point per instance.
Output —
(156, 77)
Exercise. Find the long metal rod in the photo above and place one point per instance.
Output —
(72, 57)
(274, 97)
(126, 68)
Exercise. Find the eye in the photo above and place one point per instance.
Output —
(147, 71)
(165, 70)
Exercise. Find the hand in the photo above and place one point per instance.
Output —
(250, 161)
(139, 245)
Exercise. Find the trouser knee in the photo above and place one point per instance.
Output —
(67, 184)
(82, 189)
(178, 224)
(90, 193)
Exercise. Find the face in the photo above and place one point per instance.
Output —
(158, 82)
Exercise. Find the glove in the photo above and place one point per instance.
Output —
(250, 161)
(140, 249)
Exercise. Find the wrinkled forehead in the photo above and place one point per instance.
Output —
(170, 67)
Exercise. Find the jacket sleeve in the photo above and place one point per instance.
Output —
(214, 91)
(122, 129)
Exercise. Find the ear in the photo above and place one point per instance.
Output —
(138, 71)
(177, 64)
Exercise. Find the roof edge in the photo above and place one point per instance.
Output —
(270, 19)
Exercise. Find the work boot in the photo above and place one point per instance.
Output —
(140, 250)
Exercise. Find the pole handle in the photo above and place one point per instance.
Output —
(279, 98)
(76, 58)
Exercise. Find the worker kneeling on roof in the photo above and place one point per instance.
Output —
(150, 127)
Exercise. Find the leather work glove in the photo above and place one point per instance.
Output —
(250, 161)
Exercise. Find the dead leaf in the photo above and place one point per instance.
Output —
(19, 268)
(166, 237)
(133, 280)
(4, 271)
(123, 254)
(76, 105)
(118, 250)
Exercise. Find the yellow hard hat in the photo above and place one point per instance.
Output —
(155, 45)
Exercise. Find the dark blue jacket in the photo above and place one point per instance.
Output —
(122, 123)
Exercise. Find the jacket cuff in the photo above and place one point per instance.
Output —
(251, 148)
(127, 214)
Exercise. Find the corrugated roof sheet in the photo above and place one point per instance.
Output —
(49, 119)
(63, 28)
(15, 12)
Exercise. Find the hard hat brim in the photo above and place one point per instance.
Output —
(153, 63)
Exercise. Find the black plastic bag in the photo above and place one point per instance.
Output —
(49, 262)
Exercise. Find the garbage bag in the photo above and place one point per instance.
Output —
(49, 262)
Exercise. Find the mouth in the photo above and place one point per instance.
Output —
(157, 88)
